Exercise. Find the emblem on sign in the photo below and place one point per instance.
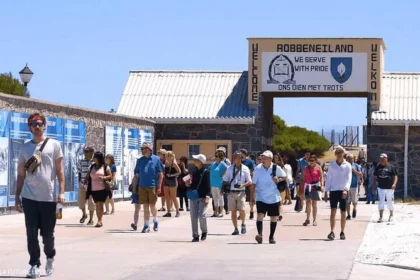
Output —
(281, 71)
(341, 68)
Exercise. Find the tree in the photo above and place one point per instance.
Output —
(11, 85)
(295, 139)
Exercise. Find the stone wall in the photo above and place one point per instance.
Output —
(390, 140)
(241, 135)
(95, 120)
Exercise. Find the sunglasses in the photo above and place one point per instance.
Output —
(37, 124)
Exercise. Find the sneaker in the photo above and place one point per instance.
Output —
(177, 215)
(106, 213)
(133, 226)
(348, 218)
(196, 239)
(203, 236)
(155, 225)
(90, 223)
(279, 218)
(50, 266)
(220, 216)
(259, 239)
(342, 236)
(380, 220)
(33, 272)
(354, 214)
(251, 215)
(235, 232)
(368, 202)
(243, 229)
(181, 209)
(331, 236)
(146, 229)
(272, 241)
(167, 215)
(391, 219)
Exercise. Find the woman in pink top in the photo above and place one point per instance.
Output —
(96, 187)
(313, 184)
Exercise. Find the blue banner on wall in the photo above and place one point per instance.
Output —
(74, 131)
(55, 129)
(114, 146)
(4, 157)
(19, 128)
(131, 146)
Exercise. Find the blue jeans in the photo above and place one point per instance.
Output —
(371, 197)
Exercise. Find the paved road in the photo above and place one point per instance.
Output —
(116, 252)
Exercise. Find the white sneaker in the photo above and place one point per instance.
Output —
(391, 219)
(33, 272)
(49, 267)
(380, 220)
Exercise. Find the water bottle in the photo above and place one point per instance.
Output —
(59, 211)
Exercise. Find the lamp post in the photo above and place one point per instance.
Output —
(26, 76)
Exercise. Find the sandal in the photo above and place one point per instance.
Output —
(83, 219)
(307, 222)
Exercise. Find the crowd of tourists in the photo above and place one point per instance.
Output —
(267, 182)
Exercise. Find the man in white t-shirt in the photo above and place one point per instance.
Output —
(267, 194)
(38, 192)
(238, 176)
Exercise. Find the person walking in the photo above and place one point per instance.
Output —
(290, 181)
(217, 170)
(36, 184)
(267, 195)
(182, 188)
(238, 177)
(110, 161)
(170, 180)
(386, 177)
(313, 185)
(83, 169)
(338, 184)
(370, 195)
(149, 173)
(249, 198)
(354, 192)
(199, 192)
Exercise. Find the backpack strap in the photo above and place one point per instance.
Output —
(43, 144)
(274, 170)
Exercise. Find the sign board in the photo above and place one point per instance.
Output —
(314, 72)
(323, 65)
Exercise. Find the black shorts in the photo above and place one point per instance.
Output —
(99, 196)
(247, 195)
(272, 210)
(337, 197)
(110, 193)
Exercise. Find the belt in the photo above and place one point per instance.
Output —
(236, 191)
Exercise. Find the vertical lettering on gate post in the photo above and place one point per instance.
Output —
(374, 76)
(253, 74)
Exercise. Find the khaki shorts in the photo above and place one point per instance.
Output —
(283, 196)
(236, 201)
(147, 195)
(352, 196)
(81, 201)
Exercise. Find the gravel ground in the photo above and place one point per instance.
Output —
(393, 244)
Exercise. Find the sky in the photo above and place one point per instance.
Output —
(82, 51)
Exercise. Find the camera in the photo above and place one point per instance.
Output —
(237, 186)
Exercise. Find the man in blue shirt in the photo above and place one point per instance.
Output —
(352, 197)
(267, 194)
(217, 169)
(249, 191)
(150, 175)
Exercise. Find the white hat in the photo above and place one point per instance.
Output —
(268, 154)
(146, 145)
(222, 149)
(201, 158)
(383, 156)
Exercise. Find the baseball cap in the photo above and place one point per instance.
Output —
(244, 151)
(200, 157)
(383, 156)
(268, 154)
(146, 145)
(221, 149)
(237, 154)
(88, 150)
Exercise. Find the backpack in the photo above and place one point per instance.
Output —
(281, 186)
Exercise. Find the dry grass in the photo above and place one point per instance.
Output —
(410, 200)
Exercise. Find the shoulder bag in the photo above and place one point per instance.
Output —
(109, 183)
(35, 160)
(226, 185)
(193, 194)
(281, 186)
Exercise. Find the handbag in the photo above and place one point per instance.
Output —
(35, 160)
(193, 194)
(226, 185)
(134, 183)
(109, 183)
(281, 186)
(314, 194)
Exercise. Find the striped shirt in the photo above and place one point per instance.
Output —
(83, 169)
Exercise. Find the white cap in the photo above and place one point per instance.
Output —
(221, 149)
(268, 154)
(200, 157)
(383, 156)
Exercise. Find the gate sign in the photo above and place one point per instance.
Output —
(314, 72)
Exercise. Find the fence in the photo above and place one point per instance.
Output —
(345, 135)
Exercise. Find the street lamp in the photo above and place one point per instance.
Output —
(26, 76)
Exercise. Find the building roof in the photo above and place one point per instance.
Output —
(400, 99)
(188, 97)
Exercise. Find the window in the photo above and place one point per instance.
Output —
(166, 147)
(193, 150)
(224, 146)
